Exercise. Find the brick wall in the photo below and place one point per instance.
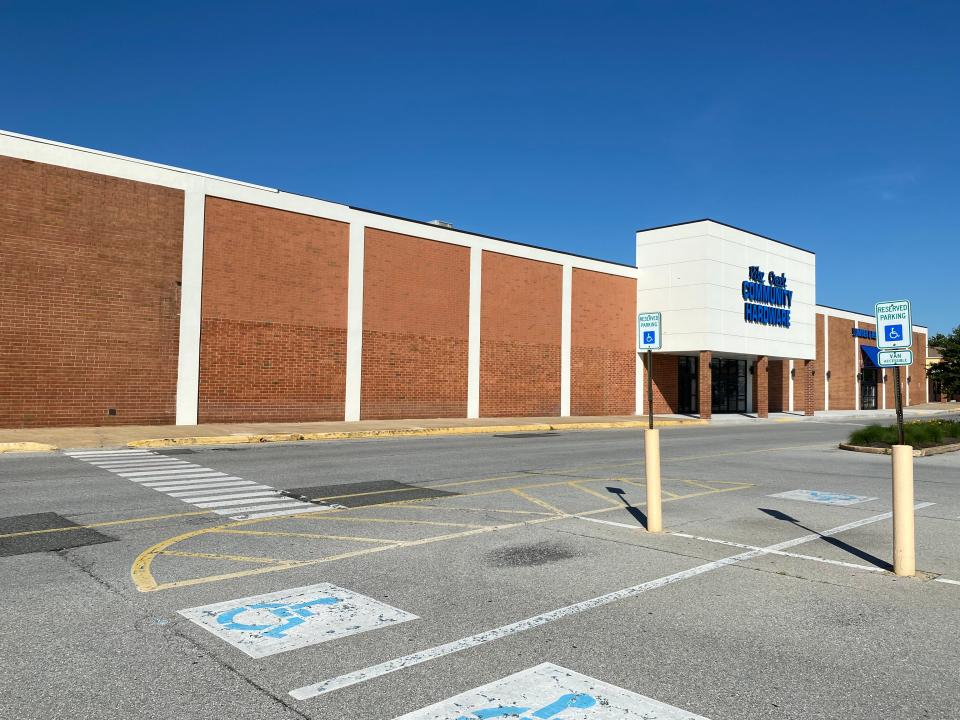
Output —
(416, 296)
(520, 311)
(274, 315)
(602, 344)
(90, 297)
(917, 371)
(666, 389)
(842, 370)
(779, 385)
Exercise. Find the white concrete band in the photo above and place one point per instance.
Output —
(473, 337)
(856, 359)
(826, 362)
(354, 322)
(566, 306)
(790, 380)
(191, 288)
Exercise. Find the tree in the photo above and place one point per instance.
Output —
(947, 371)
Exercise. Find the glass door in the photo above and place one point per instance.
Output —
(729, 385)
(689, 400)
(868, 389)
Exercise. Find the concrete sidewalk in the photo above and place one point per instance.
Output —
(39, 439)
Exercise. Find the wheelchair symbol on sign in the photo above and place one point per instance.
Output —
(564, 702)
(893, 332)
(649, 337)
(290, 616)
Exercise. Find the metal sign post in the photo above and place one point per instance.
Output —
(894, 338)
(649, 338)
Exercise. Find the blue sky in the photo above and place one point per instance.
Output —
(832, 126)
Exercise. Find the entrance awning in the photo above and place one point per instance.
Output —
(869, 357)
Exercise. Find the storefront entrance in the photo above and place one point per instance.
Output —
(729, 385)
(868, 389)
(687, 383)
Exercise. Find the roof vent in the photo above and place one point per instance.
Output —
(442, 223)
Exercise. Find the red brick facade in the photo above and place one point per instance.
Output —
(520, 327)
(90, 315)
(274, 315)
(603, 351)
(416, 300)
(90, 299)
(666, 391)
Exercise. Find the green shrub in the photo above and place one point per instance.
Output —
(925, 433)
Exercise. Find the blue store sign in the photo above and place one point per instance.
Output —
(768, 301)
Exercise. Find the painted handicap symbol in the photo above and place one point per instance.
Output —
(290, 616)
(564, 702)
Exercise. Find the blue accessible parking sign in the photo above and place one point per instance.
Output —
(648, 331)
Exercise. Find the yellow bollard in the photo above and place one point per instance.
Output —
(904, 560)
(651, 441)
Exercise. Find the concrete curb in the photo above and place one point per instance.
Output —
(925, 452)
(401, 432)
(9, 447)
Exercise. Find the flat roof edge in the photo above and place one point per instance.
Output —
(732, 227)
(494, 237)
(856, 312)
(137, 161)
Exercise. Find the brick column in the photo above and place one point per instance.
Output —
(762, 399)
(809, 399)
(705, 385)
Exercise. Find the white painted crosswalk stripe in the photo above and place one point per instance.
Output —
(230, 511)
(223, 482)
(244, 501)
(218, 492)
(172, 471)
(207, 475)
(207, 497)
(191, 494)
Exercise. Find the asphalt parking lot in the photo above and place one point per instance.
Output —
(478, 577)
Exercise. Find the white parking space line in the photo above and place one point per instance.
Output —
(482, 638)
(948, 581)
(194, 484)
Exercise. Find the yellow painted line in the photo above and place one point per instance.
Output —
(311, 536)
(106, 523)
(605, 498)
(389, 520)
(145, 582)
(234, 558)
(472, 509)
(537, 501)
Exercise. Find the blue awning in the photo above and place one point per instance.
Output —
(869, 353)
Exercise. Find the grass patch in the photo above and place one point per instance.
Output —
(919, 434)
